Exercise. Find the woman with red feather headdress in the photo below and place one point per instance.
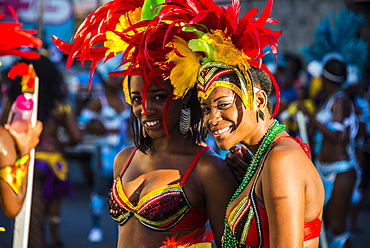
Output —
(280, 196)
(170, 183)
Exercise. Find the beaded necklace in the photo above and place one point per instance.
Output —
(228, 239)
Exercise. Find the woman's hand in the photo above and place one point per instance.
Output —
(238, 159)
(27, 140)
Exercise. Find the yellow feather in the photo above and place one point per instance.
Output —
(184, 75)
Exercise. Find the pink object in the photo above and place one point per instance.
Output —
(20, 113)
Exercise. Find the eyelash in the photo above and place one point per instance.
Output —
(221, 106)
(136, 99)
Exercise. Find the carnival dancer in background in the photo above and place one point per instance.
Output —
(107, 117)
(280, 198)
(51, 169)
(334, 56)
(170, 183)
(336, 160)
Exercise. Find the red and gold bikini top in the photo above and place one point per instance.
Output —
(166, 208)
(249, 223)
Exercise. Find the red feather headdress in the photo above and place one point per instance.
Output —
(14, 38)
(169, 40)
(221, 41)
(118, 27)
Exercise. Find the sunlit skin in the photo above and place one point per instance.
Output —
(151, 117)
(289, 187)
(11, 141)
(208, 188)
(223, 114)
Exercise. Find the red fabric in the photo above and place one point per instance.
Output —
(195, 218)
(312, 229)
(252, 238)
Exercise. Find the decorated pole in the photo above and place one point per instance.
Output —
(302, 127)
(22, 221)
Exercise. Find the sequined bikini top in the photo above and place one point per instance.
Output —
(249, 223)
(166, 208)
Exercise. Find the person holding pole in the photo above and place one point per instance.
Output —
(14, 158)
(50, 182)
(16, 147)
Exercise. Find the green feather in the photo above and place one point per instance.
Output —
(148, 12)
(200, 45)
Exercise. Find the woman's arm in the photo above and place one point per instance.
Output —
(219, 185)
(12, 194)
(282, 191)
(340, 110)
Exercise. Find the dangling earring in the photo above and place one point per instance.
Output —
(261, 114)
(144, 132)
(184, 122)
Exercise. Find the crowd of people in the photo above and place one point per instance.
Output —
(179, 81)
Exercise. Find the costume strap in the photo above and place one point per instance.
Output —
(128, 162)
(14, 174)
(192, 165)
(303, 145)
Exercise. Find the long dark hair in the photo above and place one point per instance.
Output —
(50, 86)
(198, 131)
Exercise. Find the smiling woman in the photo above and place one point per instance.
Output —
(170, 183)
(280, 197)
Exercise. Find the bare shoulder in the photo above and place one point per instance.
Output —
(287, 159)
(122, 158)
(6, 138)
(211, 166)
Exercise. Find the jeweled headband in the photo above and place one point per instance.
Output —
(209, 79)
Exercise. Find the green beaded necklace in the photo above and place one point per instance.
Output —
(228, 239)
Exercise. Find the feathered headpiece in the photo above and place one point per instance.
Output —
(219, 41)
(173, 39)
(330, 38)
(14, 38)
(116, 27)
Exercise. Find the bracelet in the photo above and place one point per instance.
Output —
(14, 174)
